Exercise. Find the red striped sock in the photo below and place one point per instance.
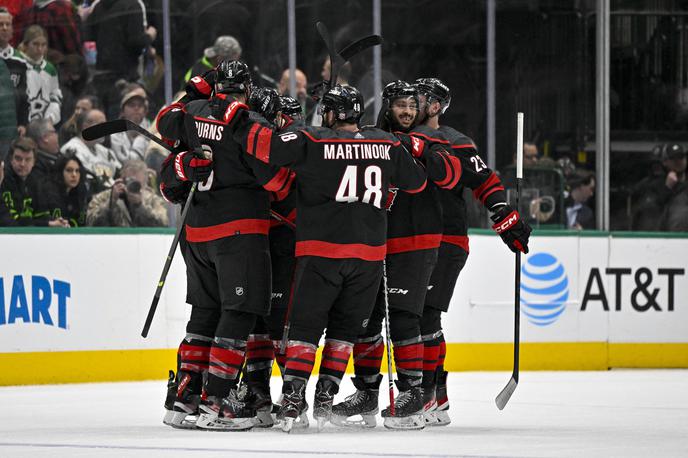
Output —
(281, 358)
(443, 353)
(431, 353)
(408, 357)
(194, 353)
(259, 358)
(300, 360)
(368, 353)
(335, 357)
(226, 360)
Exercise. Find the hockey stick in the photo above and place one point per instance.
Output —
(388, 343)
(504, 395)
(119, 125)
(336, 60)
(195, 144)
(358, 46)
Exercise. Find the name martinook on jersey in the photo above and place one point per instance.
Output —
(356, 151)
(209, 131)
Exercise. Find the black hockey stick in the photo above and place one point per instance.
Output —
(195, 144)
(358, 46)
(388, 339)
(119, 125)
(336, 60)
(504, 395)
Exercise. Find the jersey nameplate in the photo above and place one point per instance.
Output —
(209, 131)
(356, 151)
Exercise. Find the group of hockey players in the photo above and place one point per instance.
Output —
(294, 231)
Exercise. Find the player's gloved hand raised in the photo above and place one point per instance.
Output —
(201, 87)
(511, 228)
(189, 166)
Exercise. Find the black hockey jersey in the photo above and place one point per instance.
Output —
(341, 185)
(234, 199)
(455, 165)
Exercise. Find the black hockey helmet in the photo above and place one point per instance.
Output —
(265, 101)
(291, 107)
(434, 90)
(345, 101)
(397, 90)
(232, 76)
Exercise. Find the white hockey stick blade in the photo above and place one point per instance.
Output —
(504, 396)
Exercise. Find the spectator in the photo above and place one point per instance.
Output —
(42, 86)
(24, 192)
(578, 214)
(131, 145)
(98, 161)
(43, 133)
(121, 33)
(654, 195)
(130, 203)
(342, 78)
(68, 191)
(58, 18)
(8, 114)
(73, 74)
(5, 216)
(17, 71)
(301, 85)
(68, 128)
(531, 156)
(226, 47)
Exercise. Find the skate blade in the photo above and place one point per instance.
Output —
(293, 424)
(180, 420)
(213, 423)
(264, 419)
(405, 423)
(366, 421)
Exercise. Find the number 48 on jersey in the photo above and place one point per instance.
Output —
(369, 193)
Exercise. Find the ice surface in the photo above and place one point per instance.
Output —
(551, 414)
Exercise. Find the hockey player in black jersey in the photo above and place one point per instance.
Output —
(446, 171)
(228, 261)
(343, 173)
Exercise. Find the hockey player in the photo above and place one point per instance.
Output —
(343, 173)
(447, 171)
(228, 261)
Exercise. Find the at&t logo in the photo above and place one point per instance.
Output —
(544, 289)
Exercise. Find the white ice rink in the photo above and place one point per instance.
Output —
(572, 414)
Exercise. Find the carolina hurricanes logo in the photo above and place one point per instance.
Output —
(391, 195)
(196, 79)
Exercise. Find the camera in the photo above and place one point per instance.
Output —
(133, 186)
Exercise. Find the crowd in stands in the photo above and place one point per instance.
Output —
(65, 67)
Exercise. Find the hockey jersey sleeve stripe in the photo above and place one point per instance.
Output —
(340, 250)
(413, 243)
(277, 223)
(430, 139)
(263, 144)
(417, 190)
(278, 181)
(164, 111)
(251, 142)
(464, 146)
(236, 227)
(460, 241)
(492, 180)
(490, 192)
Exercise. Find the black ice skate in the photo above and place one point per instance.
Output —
(408, 408)
(363, 403)
(429, 388)
(257, 397)
(292, 412)
(183, 398)
(225, 414)
(441, 414)
(322, 403)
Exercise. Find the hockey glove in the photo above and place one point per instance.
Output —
(511, 228)
(201, 87)
(190, 167)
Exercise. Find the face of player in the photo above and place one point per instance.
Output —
(5, 29)
(71, 174)
(22, 162)
(134, 110)
(404, 112)
(37, 48)
(427, 108)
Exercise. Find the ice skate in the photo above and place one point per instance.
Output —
(225, 414)
(325, 391)
(441, 413)
(183, 398)
(292, 412)
(363, 403)
(429, 388)
(258, 398)
(408, 408)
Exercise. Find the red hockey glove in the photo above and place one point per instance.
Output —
(201, 87)
(511, 228)
(189, 167)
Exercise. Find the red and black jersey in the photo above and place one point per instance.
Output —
(453, 162)
(341, 185)
(234, 200)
